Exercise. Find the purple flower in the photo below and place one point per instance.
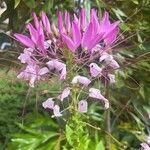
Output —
(95, 93)
(32, 73)
(95, 70)
(145, 146)
(65, 93)
(82, 106)
(59, 66)
(56, 111)
(82, 80)
(109, 60)
(49, 103)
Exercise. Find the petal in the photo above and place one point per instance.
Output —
(56, 111)
(65, 93)
(49, 103)
(60, 23)
(33, 33)
(95, 70)
(71, 45)
(76, 34)
(36, 22)
(95, 93)
(67, 21)
(63, 74)
(43, 71)
(46, 22)
(82, 106)
(87, 36)
(82, 19)
(145, 146)
(82, 80)
(111, 37)
(25, 40)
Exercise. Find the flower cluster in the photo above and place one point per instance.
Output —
(88, 41)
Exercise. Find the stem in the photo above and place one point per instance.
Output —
(107, 119)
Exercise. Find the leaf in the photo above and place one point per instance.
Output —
(100, 146)
(17, 2)
(69, 133)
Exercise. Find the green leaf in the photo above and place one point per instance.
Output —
(69, 133)
(100, 146)
(17, 2)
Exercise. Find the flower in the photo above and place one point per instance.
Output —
(81, 79)
(32, 73)
(56, 111)
(95, 93)
(59, 66)
(49, 103)
(95, 70)
(65, 93)
(145, 146)
(82, 106)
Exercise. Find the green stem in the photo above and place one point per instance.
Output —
(107, 121)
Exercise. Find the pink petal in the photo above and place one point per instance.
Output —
(36, 22)
(82, 19)
(82, 106)
(145, 146)
(40, 43)
(87, 36)
(60, 23)
(65, 93)
(71, 45)
(95, 93)
(56, 111)
(82, 80)
(24, 58)
(76, 34)
(46, 22)
(63, 73)
(105, 57)
(43, 71)
(95, 70)
(33, 33)
(49, 103)
(25, 40)
(67, 21)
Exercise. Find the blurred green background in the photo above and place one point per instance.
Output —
(25, 125)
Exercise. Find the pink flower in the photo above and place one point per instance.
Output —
(56, 111)
(26, 56)
(95, 70)
(65, 93)
(32, 73)
(59, 66)
(109, 60)
(49, 103)
(82, 80)
(95, 93)
(145, 146)
(82, 106)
